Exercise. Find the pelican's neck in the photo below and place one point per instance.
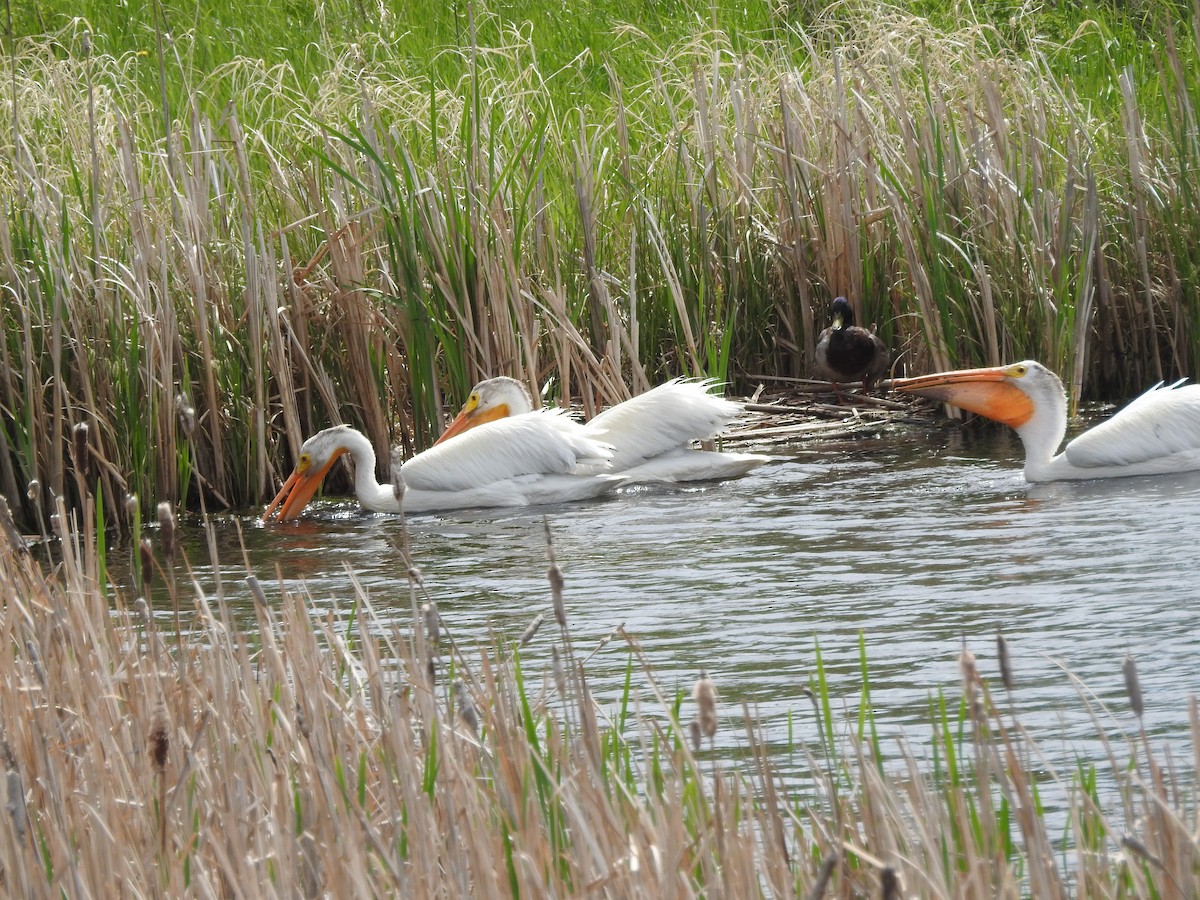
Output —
(371, 494)
(1042, 435)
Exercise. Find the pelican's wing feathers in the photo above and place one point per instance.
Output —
(544, 442)
(1160, 423)
(665, 418)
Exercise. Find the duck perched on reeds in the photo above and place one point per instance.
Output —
(1156, 434)
(848, 352)
(651, 435)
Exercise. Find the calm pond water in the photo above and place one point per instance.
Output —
(921, 542)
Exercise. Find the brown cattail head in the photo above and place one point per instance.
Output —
(1133, 686)
(889, 883)
(394, 472)
(705, 694)
(555, 576)
(532, 629)
(160, 741)
(433, 630)
(34, 491)
(9, 528)
(35, 658)
(560, 672)
(80, 452)
(146, 552)
(1006, 675)
(694, 731)
(166, 530)
(16, 804)
(186, 414)
(970, 672)
(466, 706)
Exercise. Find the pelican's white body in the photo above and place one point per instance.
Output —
(537, 459)
(651, 435)
(1156, 434)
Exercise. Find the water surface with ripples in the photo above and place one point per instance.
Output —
(922, 543)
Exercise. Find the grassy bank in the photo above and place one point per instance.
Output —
(206, 258)
(341, 755)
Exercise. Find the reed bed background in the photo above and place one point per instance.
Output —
(206, 256)
(336, 754)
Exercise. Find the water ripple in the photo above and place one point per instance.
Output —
(921, 548)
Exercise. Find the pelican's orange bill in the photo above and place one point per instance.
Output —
(299, 488)
(469, 417)
(989, 392)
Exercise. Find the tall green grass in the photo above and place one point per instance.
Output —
(350, 753)
(359, 227)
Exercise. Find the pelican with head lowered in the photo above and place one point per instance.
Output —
(537, 459)
(1156, 434)
(651, 435)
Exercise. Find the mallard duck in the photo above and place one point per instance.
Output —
(848, 352)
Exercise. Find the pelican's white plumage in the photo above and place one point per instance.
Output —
(535, 459)
(651, 435)
(1157, 434)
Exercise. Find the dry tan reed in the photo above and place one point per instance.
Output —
(327, 757)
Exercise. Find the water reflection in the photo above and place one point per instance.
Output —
(923, 543)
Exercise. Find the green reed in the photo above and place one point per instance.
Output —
(360, 232)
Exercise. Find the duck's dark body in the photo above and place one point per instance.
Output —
(847, 352)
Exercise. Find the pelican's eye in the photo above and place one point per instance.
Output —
(304, 463)
(1018, 371)
(472, 402)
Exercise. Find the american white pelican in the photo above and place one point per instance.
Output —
(651, 434)
(1157, 433)
(544, 458)
(848, 352)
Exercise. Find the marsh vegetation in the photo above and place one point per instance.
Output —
(211, 248)
(339, 753)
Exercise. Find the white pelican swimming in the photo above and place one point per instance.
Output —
(651, 434)
(545, 458)
(1156, 434)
